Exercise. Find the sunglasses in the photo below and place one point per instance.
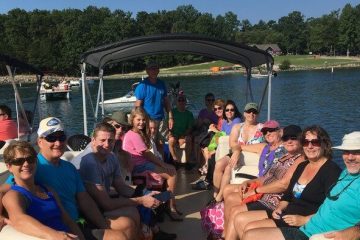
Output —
(336, 196)
(217, 108)
(21, 161)
(254, 111)
(266, 130)
(229, 110)
(181, 100)
(54, 138)
(117, 126)
(353, 152)
(287, 138)
(210, 100)
(315, 142)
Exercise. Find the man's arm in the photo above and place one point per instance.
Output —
(91, 211)
(351, 233)
(168, 110)
(138, 103)
(3, 189)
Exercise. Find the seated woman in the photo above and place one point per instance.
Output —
(339, 215)
(34, 209)
(275, 181)
(137, 143)
(248, 132)
(231, 116)
(307, 189)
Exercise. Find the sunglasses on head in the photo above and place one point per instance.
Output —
(229, 110)
(315, 142)
(266, 130)
(217, 108)
(254, 111)
(287, 138)
(21, 161)
(210, 100)
(54, 138)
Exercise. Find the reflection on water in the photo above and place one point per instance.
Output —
(303, 98)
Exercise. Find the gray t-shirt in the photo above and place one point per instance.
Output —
(95, 171)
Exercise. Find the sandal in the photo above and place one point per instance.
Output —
(174, 215)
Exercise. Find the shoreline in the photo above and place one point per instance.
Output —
(165, 73)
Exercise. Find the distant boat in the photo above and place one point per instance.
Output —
(259, 75)
(54, 91)
(74, 83)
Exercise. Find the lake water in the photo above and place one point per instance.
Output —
(302, 98)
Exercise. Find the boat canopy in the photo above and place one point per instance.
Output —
(176, 43)
(12, 64)
(232, 52)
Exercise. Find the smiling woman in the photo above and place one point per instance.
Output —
(34, 209)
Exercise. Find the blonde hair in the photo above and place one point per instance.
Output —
(144, 133)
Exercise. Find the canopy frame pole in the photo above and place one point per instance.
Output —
(100, 96)
(83, 76)
(269, 69)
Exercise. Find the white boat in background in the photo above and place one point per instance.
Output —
(259, 75)
(74, 83)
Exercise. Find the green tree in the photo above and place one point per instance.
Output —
(347, 29)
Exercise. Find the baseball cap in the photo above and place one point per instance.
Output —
(49, 125)
(120, 117)
(251, 105)
(271, 124)
(291, 131)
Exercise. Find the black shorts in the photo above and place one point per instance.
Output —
(90, 231)
(291, 233)
(254, 206)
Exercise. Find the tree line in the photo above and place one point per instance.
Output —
(54, 40)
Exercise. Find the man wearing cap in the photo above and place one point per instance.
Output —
(340, 212)
(151, 94)
(184, 120)
(63, 177)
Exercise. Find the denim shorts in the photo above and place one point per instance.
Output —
(148, 166)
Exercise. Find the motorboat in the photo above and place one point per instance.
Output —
(124, 103)
(74, 83)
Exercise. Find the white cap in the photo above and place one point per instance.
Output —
(49, 125)
(350, 141)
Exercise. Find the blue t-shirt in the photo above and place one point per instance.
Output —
(152, 96)
(226, 127)
(337, 214)
(63, 179)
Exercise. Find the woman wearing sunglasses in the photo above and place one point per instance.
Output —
(246, 133)
(34, 209)
(306, 191)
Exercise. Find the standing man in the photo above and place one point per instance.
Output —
(8, 127)
(63, 178)
(151, 94)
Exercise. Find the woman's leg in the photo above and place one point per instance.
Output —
(229, 228)
(172, 145)
(219, 169)
(231, 201)
(264, 233)
(243, 223)
(170, 176)
(225, 180)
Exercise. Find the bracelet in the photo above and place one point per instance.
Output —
(255, 190)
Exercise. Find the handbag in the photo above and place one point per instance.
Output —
(212, 219)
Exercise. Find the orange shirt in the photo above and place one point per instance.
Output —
(8, 129)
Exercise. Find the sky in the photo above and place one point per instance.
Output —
(253, 10)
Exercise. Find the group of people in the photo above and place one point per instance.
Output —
(299, 191)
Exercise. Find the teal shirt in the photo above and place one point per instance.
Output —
(182, 122)
(341, 213)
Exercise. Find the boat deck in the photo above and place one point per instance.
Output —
(189, 202)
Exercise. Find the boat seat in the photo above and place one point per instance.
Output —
(78, 142)
(70, 155)
(247, 166)
(10, 233)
